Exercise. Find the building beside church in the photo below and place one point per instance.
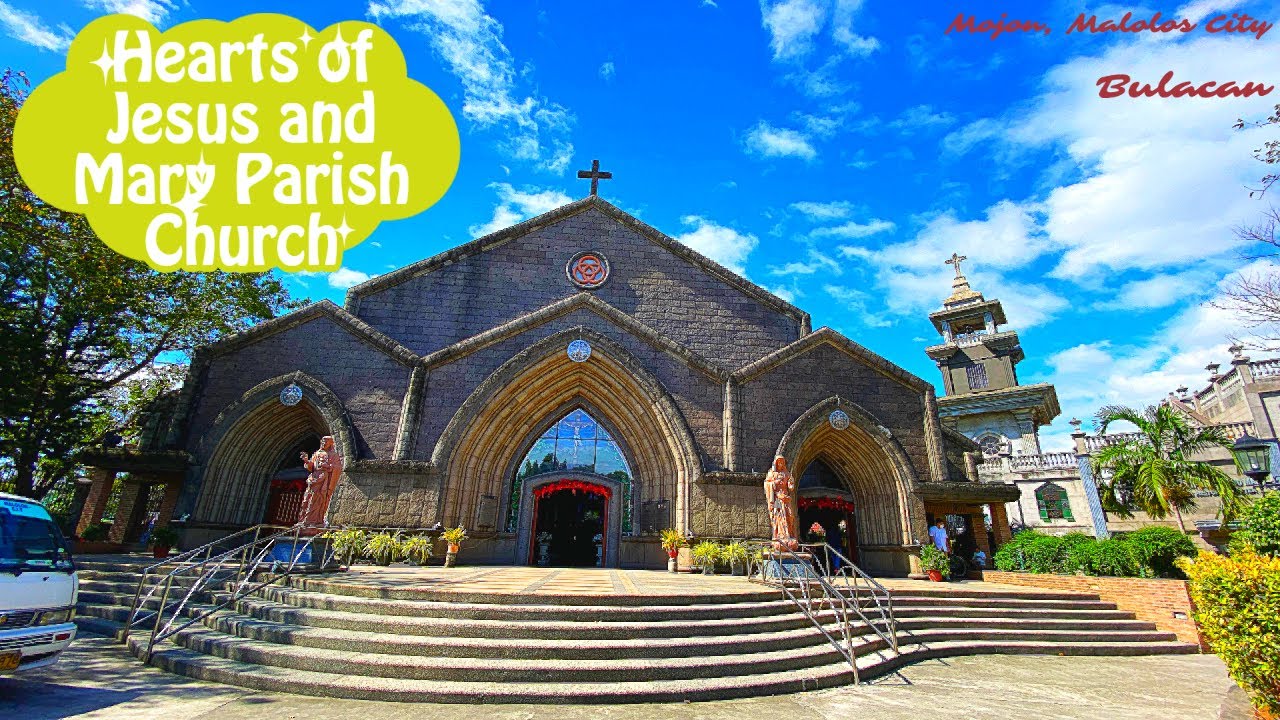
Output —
(579, 381)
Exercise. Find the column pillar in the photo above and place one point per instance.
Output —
(1084, 462)
(168, 503)
(1000, 529)
(132, 495)
(95, 503)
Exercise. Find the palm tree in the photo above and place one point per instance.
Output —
(1153, 471)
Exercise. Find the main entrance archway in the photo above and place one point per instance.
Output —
(570, 524)
(825, 500)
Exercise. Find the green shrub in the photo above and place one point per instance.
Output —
(931, 558)
(1157, 548)
(734, 552)
(706, 554)
(1237, 606)
(1112, 558)
(384, 548)
(348, 545)
(164, 537)
(417, 549)
(1260, 526)
(1011, 556)
(95, 532)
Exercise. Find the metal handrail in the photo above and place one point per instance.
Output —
(242, 562)
(854, 579)
(831, 598)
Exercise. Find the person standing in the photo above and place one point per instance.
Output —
(938, 534)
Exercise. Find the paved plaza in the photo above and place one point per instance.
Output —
(97, 679)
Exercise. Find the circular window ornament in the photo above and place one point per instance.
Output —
(291, 395)
(579, 350)
(839, 419)
(588, 270)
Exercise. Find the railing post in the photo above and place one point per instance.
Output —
(155, 628)
(133, 611)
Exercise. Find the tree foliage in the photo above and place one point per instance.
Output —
(1154, 471)
(84, 330)
(1237, 606)
(1254, 296)
(1260, 526)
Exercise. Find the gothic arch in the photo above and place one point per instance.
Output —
(248, 441)
(489, 434)
(869, 461)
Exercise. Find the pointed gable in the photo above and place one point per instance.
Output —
(653, 278)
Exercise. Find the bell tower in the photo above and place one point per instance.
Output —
(976, 355)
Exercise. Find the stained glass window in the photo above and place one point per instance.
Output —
(576, 443)
(1052, 502)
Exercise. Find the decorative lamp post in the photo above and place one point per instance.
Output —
(1254, 458)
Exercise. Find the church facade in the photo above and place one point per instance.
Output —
(579, 381)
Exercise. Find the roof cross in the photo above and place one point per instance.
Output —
(595, 175)
(955, 259)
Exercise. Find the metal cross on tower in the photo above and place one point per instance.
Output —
(595, 175)
(955, 259)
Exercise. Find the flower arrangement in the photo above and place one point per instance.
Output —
(672, 541)
(817, 530)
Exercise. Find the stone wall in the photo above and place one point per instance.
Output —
(774, 400)
(729, 511)
(657, 287)
(1163, 602)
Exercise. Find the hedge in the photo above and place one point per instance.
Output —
(1149, 552)
(1237, 606)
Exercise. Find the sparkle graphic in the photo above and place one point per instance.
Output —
(104, 62)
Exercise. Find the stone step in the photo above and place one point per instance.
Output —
(503, 670)
(980, 612)
(490, 611)
(901, 601)
(331, 584)
(115, 613)
(93, 597)
(531, 629)
(100, 626)
(1008, 592)
(308, 682)
(130, 587)
(447, 646)
(361, 687)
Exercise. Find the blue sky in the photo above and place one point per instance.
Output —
(836, 152)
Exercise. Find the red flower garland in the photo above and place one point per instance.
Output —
(572, 486)
(826, 503)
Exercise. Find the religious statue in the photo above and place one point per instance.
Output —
(780, 494)
(325, 466)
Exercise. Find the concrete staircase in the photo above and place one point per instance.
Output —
(316, 637)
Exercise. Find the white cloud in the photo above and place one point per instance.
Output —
(921, 117)
(28, 28)
(608, 71)
(768, 141)
(854, 230)
(813, 262)
(725, 245)
(345, 277)
(517, 205)
(1157, 291)
(784, 293)
(470, 42)
(792, 25)
(824, 210)
(153, 11)
(858, 302)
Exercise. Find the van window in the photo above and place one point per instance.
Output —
(29, 540)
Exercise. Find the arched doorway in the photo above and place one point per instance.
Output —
(571, 498)
(871, 472)
(825, 500)
(570, 524)
(248, 469)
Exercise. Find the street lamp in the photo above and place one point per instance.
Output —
(1254, 457)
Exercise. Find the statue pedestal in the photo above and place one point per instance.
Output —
(790, 567)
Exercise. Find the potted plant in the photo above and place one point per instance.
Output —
(672, 541)
(384, 548)
(544, 549)
(735, 554)
(348, 544)
(705, 555)
(417, 549)
(162, 541)
(453, 537)
(95, 532)
(935, 562)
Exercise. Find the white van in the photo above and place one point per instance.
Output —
(38, 586)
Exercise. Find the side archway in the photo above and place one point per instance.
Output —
(251, 440)
(487, 437)
(873, 467)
